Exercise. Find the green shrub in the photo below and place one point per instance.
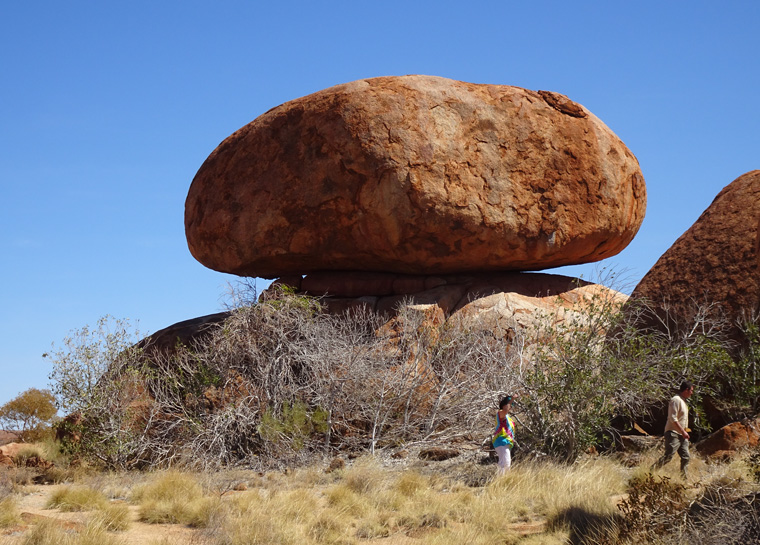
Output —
(295, 424)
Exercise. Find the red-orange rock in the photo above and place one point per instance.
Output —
(166, 341)
(714, 262)
(7, 437)
(12, 449)
(415, 175)
(497, 301)
(733, 437)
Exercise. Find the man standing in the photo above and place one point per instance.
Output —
(676, 428)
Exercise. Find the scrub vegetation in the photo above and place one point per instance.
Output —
(287, 424)
(281, 382)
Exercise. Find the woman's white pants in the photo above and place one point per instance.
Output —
(505, 458)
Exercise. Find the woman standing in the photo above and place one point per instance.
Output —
(504, 437)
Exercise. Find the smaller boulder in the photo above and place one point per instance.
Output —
(12, 449)
(733, 437)
(639, 443)
(336, 464)
(438, 454)
(187, 332)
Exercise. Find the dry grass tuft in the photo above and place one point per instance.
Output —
(296, 515)
(77, 498)
(113, 517)
(19, 477)
(169, 485)
(548, 489)
(364, 477)
(49, 532)
(28, 452)
(410, 483)
(176, 498)
(9, 515)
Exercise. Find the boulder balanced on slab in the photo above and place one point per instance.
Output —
(415, 175)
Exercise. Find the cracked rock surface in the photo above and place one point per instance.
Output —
(415, 175)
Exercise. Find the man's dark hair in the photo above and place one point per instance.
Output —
(685, 385)
(505, 401)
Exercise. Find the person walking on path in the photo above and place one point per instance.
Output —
(504, 436)
(676, 428)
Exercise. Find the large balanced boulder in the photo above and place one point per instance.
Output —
(713, 265)
(415, 175)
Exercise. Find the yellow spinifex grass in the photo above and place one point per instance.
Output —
(29, 451)
(77, 498)
(175, 497)
(250, 519)
(50, 532)
(114, 517)
(370, 502)
(546, 489)
(9, 515)
(533, 503)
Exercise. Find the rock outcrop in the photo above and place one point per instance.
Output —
(501, 302)
(7, 437)
(714, 262)
(415, 175)
(165, 341)
(731, 438)
(12, 449)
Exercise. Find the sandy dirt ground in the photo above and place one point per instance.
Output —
(32, 508)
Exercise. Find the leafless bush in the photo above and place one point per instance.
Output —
(658, 511)
(280, 380)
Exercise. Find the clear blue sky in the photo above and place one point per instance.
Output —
(108, 109)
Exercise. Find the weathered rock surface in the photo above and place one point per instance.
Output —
(166, 340)
(501, 302)
(730, 438)
(7, 437)
(715, 261)
(12, 449)
(438, 454)
(415, 175)
(639, 443)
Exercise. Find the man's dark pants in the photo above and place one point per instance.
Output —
(674, 442)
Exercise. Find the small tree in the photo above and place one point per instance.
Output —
(29, 414)
(98, 375)
(86, 356)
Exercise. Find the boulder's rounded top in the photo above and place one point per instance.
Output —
(415, 175)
